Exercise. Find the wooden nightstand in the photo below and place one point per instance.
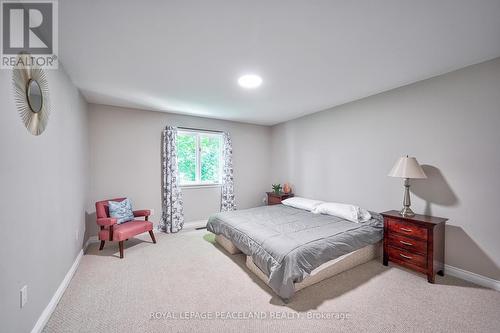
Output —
(274, 198)
(415, 242)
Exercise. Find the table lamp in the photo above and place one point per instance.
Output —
(407, 167)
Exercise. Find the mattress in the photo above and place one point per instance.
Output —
(288, 244)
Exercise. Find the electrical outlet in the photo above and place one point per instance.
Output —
(24, 295)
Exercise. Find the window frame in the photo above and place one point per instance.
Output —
(198, 182)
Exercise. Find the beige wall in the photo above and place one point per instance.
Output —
(450, 123)
(44, 187)
(126, 161)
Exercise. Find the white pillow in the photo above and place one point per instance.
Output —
(301, 203)
(349, 212)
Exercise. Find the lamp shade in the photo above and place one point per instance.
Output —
(407, 167)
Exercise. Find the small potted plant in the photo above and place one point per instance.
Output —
(277, 188)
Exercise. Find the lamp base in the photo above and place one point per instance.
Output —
(407, 212)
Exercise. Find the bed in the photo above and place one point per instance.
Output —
(287, 247)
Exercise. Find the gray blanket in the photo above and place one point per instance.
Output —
(287, 244)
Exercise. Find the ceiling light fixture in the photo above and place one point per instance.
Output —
(250, 81)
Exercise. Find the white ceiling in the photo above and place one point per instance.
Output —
(186, 56)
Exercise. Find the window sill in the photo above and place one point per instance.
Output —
(197, 186)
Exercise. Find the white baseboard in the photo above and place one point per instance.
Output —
(47, 312)
(195, 224)
(92, 239)
(472, 277)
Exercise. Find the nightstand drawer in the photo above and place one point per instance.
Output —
(407, 229)
(402, 256)
(271, 200)
(410, 244)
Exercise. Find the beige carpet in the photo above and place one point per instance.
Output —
(186, 272)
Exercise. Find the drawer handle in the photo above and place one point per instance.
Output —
(407, 257)
(406, 229)
(406, 243)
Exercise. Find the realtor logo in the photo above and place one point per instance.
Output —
(29, 27)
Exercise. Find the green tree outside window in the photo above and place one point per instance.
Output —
(199, 157)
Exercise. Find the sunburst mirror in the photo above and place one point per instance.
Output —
(31, 93)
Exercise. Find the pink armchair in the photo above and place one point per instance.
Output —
(110, 231)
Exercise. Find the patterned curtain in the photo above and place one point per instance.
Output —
(227, 191)
(172, 218)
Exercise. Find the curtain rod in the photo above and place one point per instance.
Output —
(198, 129)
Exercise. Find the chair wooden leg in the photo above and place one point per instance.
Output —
(101, 246)
(152, 236)
(120, 245)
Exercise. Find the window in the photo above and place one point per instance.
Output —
(199, 157)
